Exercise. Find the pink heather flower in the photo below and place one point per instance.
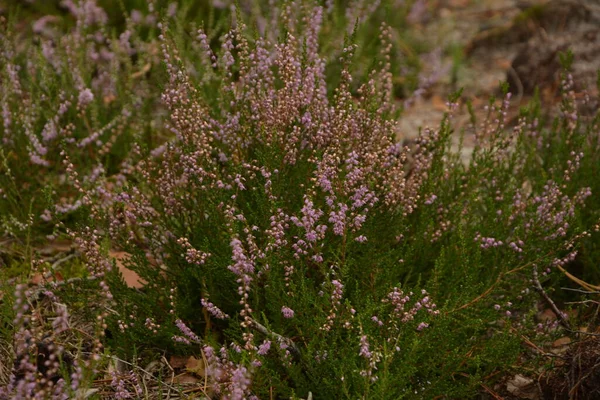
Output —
(338, 289)
(36, 159)
(338, 219)
(39, 26)
(136, 16)
(364, 347)
(514, 247)
(150, 19)
(172, 10)
(85, 97)
(49, 132)
(181, 339)
(287, 312)
(61, 322)
(264, 348)
(431, 199)
(422, 326)
(86, 11)
(242, 265)
(497, 307)
(46, 216)
(361, 239)
(359, 220)
(119, 384)
(236, 347)
(240, 382)
(76, 375)
(361, 197)
(187, 332)
(213, 310)
(311, 236)
(418, 11)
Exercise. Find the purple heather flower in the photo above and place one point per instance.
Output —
(172, 10)
(431, 199)
(187, 332)
(422, 326)
(263, 349)
(240, 382)
(364, 347)
(287, 312)
(213, 310)
(85, 97)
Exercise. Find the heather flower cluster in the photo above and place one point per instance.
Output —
(228, 379)
(188, 336)
(126, 387)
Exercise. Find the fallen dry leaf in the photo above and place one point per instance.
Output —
(36, 279)
(563, 341)
(546, 315)
(523, 388)
(178, 361)
(131, 278)
(195, 366)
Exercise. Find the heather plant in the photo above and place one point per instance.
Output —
(281, 231)
(288, 234)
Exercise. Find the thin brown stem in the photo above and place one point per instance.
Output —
(559, 314)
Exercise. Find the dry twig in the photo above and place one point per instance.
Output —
(538, 287)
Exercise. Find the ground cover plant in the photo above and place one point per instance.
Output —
(284, 242)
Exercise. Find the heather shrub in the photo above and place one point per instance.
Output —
(289, 229)
(281, 230)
